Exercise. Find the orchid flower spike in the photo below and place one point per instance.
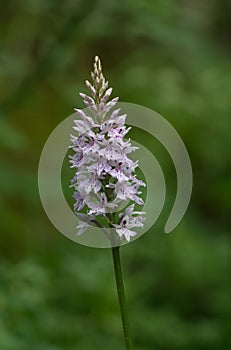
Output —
(104, 177)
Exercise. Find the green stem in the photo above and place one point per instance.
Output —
(121, 297)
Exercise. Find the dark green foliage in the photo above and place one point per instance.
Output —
(174, 57)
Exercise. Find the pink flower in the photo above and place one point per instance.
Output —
(105, 175)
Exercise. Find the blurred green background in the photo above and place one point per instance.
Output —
(171, 56)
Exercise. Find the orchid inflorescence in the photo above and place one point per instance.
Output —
(105, 176)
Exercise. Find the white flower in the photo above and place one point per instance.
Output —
(100, 206)
(104, 177)
(82, 227)
(128, 221)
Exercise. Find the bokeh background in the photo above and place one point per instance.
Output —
(173, 57)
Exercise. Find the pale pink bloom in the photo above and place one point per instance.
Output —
(105, 176)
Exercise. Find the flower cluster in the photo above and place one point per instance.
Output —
(105, 176)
